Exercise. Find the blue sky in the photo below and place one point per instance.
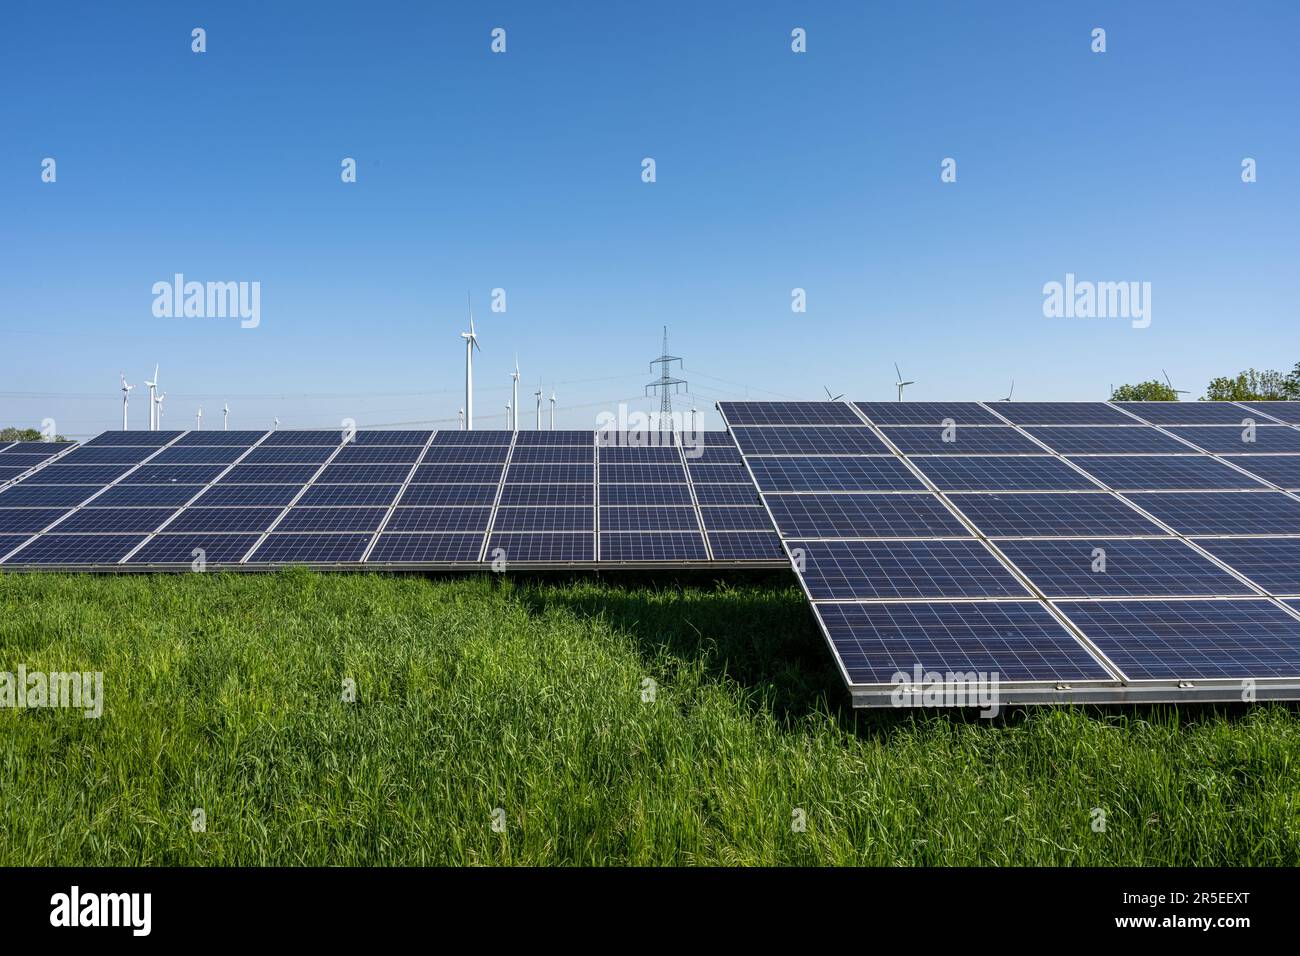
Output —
(522, 171)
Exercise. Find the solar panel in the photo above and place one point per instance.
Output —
(380, 436)
(711, 455)
(134, 496)
(46, 449)
(366, 474)
(544, 519)
(1149, 472)
(457, 474)
(1060, 514)
(1235, 440)
(1281, 470)
(927, 413)
(736, 519)
(1062, 413)
(863, 516)
(706, 494)
(198, 455)
(551, 495)
(1139, 440)
(472, 438)
(439, 519)
(788, 413)
(549, 547)
(661, 518)
(224, 519)
(311, 549)
(551, 474)
(8, 542)
(14, 520)
(1018, 641)
(336, 519)
(857, 570)
(1118, 567)
(8, 474)
(652, 546)
(333, 436)
(75, 549)
(16, 464)
(1187, 413)
(350, 495)
(638, 455)
(104, 455)
(833, 474)
(45, 496)
(167, 548)
(563, 437)
(351, 454)
(244, 438)
(1272, 563)
(721, 474)
(465, 454)
(60, 474)
(445, 494)
(148, 439)
(1004, 473)
(426, 548)
(1190, 640)
(114, 520)
(745, 546)
(1283, 411)
(638, 474)
(289, 455)
(242, 474)
(1225, 512)
(986, 439)
(559, 454)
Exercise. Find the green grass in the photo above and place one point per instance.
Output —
(224, 692)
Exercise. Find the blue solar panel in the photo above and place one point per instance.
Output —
(334, 519)
(1099, 567)
(170, 548)
(311, 549)
(863, 516)
(659, 518)
(352, 454)
(246, 496)
(652, 546)
(984, 440)
(721, 474)
(833, 474)
(197, 455)
(1272, 563)
(75, 549)
(1233, 440)
(269, 474)
(1018, 641)
(156, 496)
(350, 495)
(16, 464)
(457, 474)
(114, 520)
(61, 474)
(745, 546)
(788, 413)
(1283, 411)
(555, 438)
(174, 474)
(550, 495)
(366, 474)
(14, 520)
(830, 440)
(465, 454)
(559, 454)
(1139, 440)
(845, 570)
(1061, 514)
(548, 547)
(639, 455)
(927, 413)
(45, 496)
(104, 455)
(1187, 413)
(1281, 470)
(224, 519)
(1005, 473)
(332, 436)
(244, 438)
(46, 449)
(448, 495)
(641, 474)
(439, 519)
(1147, 472)
(8, 474)
(383, 436)
(544, 519)
(736, 519)
(676, 494)
(1062, 413)
(472, 438)
(551, 474)
(1225, 512)
(153, 439)
(289, 455)
(8, 542)
(1190, 640)
(426, 548)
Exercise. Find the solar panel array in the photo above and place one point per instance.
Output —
(1088, 551)
(176, 500)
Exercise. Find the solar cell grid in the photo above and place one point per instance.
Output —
(373, 494)
(788, 413)
(113, 520)
(227, 496)
(196, 438)
(1235, 440)
(641, 474)
(1001, 473)
(1280, 470)
(151, 474)
(167, 548)
(745, 546)
(198, 455)
(457, 474)
(126, 496)
(550, 474)
(335, 474)
(439, 519)
(1187, 413)
(557, 454)
(47, 496)
(426, 548)
(1062, 413)
(1283, 411)
(152, 439)
(75, 549)
(858, 570)
(15, 520)
(558, 437)
(1136, 440)
(331, 519)
(548, 547)
(1224, 512)
(927, 413)
(1062, 514)
(289, 455)
(576, 495)
(1272, 563)
(353, 454)
(102, 455)
(864, 516)
(310, 549)
(706, 494)
(723, 474)
(1100, 567)
(1146, 472)
(623, 455)
(46, 449)
(472, 438)
(382, 436)
(61, 474)
(466, 454)
(544, 519)
(481, 494)
(196, 518)
(652, 546)
(243, 474)
(332, 436)
(774, 474)
(661, 518)
(831, 440)
(985, 439)
(735, 519)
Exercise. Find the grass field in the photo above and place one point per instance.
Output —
(225, 693)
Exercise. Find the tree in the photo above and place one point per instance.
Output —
(1151, 391)
(24, 434)
(1253, 386)
(1291, 386)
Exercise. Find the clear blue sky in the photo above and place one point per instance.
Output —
(522, 171)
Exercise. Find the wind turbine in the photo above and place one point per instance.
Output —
(1010, 393)
(830, 397)
(225, 416)
(153, 390)
(126, 394)
(695, 419)
(158, 402)
(1176, 391)
(538, 393)
(471, 343)
(507, 413)
(514, 425)
(276, 424)
(460, 415)
(198, 420)
(552, 408)
(901, 384)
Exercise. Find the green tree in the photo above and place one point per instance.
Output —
(1253, 386)
(1151, 391)
(24, 434)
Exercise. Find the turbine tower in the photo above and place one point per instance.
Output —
(126, 394)
(666, 385)
(158, 414)
(460, 416)
(514, 425)
(538, 393)
(153, 390)
(552, 408)
(225, 416)
(900, 383)
(471, 343)
(507, 414)
(198, 420)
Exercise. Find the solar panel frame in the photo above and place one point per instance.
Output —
(918, 569)
(545, 548)
(904, 515)
(172, 548)
(652, 547)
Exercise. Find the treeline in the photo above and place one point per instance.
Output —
(1251, 385)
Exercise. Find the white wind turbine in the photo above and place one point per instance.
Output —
(126, 394)
(225, 416)
(1010, 393)
(552, 408)
(471, 343)
(514, 424)
(507, 414)
(198, 420)
(1176, 391)
(900, 383)
(158, 403)
(153, 390)
(460, 415)
(538, 393)
(830, 397)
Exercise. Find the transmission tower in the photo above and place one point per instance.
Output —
(666, 385)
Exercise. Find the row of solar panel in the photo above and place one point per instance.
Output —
(383, 454)
(333, 437)
(1016, 413)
